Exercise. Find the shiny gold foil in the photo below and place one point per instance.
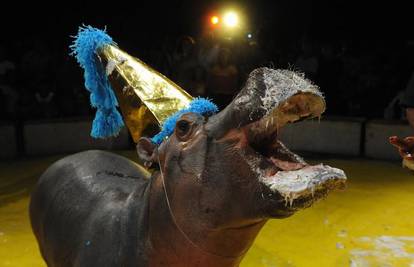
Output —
(146, 97)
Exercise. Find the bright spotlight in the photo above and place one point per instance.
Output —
(214, 20)
(249, 35)
(231, 19)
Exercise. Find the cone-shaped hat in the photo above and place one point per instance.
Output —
(144, 96)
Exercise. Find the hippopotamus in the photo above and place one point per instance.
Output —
(204, 193)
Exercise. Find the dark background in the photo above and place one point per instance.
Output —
(371, 45)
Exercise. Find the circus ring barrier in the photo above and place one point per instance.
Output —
(369, 224)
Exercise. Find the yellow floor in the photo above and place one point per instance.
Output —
(369, 224)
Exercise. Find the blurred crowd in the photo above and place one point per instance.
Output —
(38, 82)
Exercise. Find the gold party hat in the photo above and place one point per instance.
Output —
(145, 96)
(114, 78)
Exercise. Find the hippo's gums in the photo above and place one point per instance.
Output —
(218, 181)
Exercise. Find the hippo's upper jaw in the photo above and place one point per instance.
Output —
(270, 100)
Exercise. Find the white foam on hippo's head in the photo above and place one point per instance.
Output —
(283, 84)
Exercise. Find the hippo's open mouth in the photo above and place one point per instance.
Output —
(282, 171)
(269, 100)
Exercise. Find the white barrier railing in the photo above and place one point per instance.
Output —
(8, 142)
(42, 138)
(340, 136)
(333, 136)
(376, 138)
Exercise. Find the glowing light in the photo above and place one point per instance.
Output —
(214, 20)
(231, 19)
(249, 35)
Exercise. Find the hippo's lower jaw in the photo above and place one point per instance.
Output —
(301, 188)
(287, 176)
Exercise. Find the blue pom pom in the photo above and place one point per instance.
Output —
(108, 121)
(199, 105)
(203, 106)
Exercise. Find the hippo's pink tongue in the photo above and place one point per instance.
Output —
(287, 165)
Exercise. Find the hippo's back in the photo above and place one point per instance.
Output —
(83, 208)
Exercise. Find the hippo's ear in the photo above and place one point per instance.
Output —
(145, 150)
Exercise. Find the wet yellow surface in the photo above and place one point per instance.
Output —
(369, 224)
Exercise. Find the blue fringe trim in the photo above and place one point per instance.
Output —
(108, 122)
(199, 105)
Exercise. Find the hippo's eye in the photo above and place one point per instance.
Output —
(182, 127)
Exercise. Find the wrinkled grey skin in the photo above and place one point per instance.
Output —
(217, 181)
